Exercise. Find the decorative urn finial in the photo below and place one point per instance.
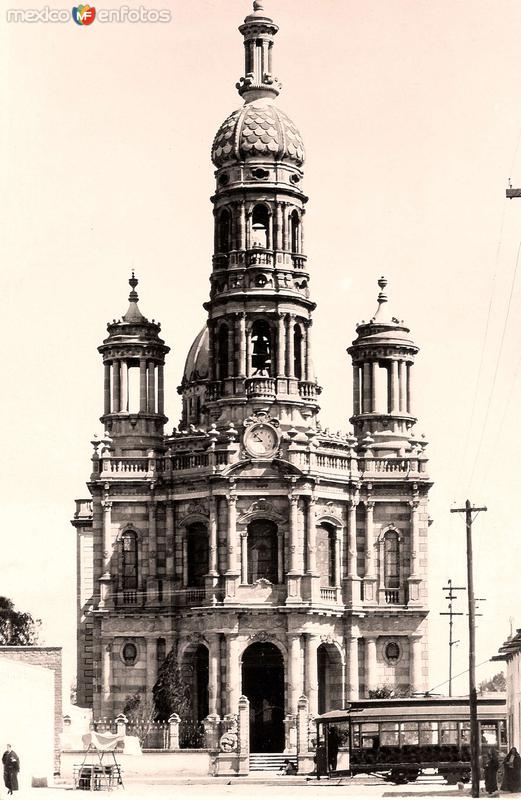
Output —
(133, 281)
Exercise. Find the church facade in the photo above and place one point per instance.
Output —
(277, 558)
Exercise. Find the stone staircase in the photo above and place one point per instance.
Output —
(269, 762)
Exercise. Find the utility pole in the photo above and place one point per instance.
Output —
(469, 510)
(450, 614)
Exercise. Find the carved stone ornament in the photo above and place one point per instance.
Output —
(196, 637)
(260, 636)
(326, 638)
(261, 416)
(264, 583)
(196, 507)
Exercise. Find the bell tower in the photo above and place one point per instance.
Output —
(133, 358)
(258, 334)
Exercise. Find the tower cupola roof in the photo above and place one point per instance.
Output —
(134, 327)
(383, 327)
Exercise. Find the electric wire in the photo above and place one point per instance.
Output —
(496, 370)
(487, 660)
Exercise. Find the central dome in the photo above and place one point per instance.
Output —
(257, 130)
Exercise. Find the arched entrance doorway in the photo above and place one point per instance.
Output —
(263, 685)
(330, 678)
(194, 672)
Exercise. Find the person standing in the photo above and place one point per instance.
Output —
(490, 769)
(512, 772)
(332, 748)
(11, 764)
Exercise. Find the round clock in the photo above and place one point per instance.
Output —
(261, 439)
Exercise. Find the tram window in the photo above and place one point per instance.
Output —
(342, 729)
(410, 733)
(502, 732)
(465, 732)
(448, 733)
(428, 733)
(488, 733)
(389, 734)
(369, 735)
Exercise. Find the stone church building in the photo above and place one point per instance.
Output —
(279, 559)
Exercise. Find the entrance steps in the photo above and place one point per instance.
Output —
(269, 762)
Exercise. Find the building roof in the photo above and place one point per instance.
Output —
(258, 130)
(510, 648)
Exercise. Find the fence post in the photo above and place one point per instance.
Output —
(211, 731)
(173, 721)
(121, 725)
(243, 744)
(304, 754)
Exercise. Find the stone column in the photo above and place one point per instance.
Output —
(116, 396)
(248, 232)
(107, 535)
(408, 368)
(415, 662)
(338, 557)
(233, 573)
(281, 344)
(401, 384)
(151, 387)
(366, 387)
(160, 389)
(278, 237)
(173, 722)
(293, 533)
(290, 339)
(231, 350)
(185, 557)
(143, 403)
(233, 673)
(248, 352)
(312, 536)
(151, 668)
(214, 672)
(170, 546)
(395, 391)
(356, 389)
(374, 368)
(106, 389)
(352, 548)
(295, 687)
(352, 688)
(309, 357)
(212, 559)
(370, 574)
(312, 672)
(242, 343)
(244, 556)
(280, 556)
(106, 678)
(152, 538)
(242, 226)
(371, 680)
(124, 387)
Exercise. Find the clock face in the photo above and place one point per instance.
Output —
(261, 440)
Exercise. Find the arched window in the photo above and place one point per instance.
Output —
(326, 554)
(294, 225)
(197, 554)
(392, 560)
(297, 348)
(262, 360)
(262, 551)
(130, 565)
(225, 229)
(222, 352)
(260, 226)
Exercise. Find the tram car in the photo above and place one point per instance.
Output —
(399, 738)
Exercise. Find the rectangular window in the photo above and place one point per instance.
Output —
(488, 733)
(389, 734)
(448, 733)
(410, 733)
(428, 733)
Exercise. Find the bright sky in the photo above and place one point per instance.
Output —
(411, 116)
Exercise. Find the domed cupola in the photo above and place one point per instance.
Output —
(383, 355)
(258, 130)
(134, 356)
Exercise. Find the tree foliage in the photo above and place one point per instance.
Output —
(171, 693)
(16, 627)
(387, 690)
(495, 684)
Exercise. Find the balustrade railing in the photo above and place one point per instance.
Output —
(329, 594)
(392, 596)
(190, 461)
(259, 257)
(260, 387)
(307, 390)
(299, 261)
(214, 390)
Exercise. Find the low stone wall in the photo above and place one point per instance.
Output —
(159, 764)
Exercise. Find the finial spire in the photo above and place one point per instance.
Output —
(382, 297)
(133, 296)
(258, 31)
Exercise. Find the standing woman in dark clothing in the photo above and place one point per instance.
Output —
(11, 764)
(512, 772)
(490, 769)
